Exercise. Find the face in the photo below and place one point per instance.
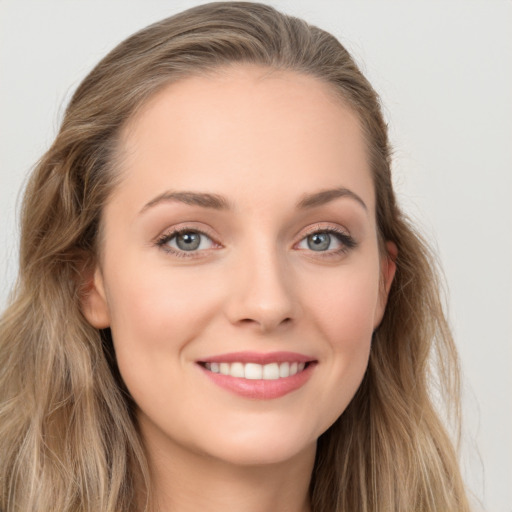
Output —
(240, 272)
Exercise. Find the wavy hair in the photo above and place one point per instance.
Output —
(68, 438)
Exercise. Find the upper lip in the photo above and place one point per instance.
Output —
(258, 358)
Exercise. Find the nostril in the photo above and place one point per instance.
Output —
(266, 324)
(248, 321)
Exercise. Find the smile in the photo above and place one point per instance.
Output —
(259, 376)
(255, 371)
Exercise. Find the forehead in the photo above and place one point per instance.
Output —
(227, 129)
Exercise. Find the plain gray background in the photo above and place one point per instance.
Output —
(444, 72)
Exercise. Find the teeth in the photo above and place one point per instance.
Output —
(237, 370)
(254, 371)
(284, 370)
(271, 371)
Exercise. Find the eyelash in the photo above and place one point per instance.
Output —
(163, 240)
(347, 241)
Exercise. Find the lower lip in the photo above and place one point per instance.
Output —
(261, 389)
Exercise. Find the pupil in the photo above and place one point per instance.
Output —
(188, 241)
(319, 241)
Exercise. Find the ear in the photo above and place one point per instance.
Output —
(94, 302)
(387, 273)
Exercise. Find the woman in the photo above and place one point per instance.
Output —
(220, 304)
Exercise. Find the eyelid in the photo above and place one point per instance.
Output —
(345, 238)
(322, 227)
(187, 226)
(161, 240)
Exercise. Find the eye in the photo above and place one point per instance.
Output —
(319, 241)
(327, 240)
(186, 241)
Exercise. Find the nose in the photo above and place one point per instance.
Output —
(261, 294)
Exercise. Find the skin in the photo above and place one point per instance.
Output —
(263, 140)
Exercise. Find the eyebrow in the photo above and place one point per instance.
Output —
(325, 196)
(218, 202)
(191, 198)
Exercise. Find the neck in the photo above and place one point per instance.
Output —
(184, 481)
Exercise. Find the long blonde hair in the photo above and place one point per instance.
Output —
(68, 439)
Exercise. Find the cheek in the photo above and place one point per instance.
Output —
(157, 301)
(154, 315)
(345, 308)
(343, 312)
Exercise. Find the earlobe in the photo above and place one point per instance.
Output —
(94, 303)
(388, 270)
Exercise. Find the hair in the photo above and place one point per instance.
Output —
(68, 437)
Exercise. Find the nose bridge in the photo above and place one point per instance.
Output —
(262, 288)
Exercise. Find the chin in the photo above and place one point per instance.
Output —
(259, 443)
(262, 452)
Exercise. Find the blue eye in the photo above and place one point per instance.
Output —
(319, 241)
(186, 241)
(328, 240)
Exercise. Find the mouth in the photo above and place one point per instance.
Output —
(259, 376)
(255, 371)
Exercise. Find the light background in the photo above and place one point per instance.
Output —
(444, 72)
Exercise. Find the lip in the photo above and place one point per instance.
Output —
(260, 389)
(259, 358)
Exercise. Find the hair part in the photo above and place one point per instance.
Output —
(68, 438)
